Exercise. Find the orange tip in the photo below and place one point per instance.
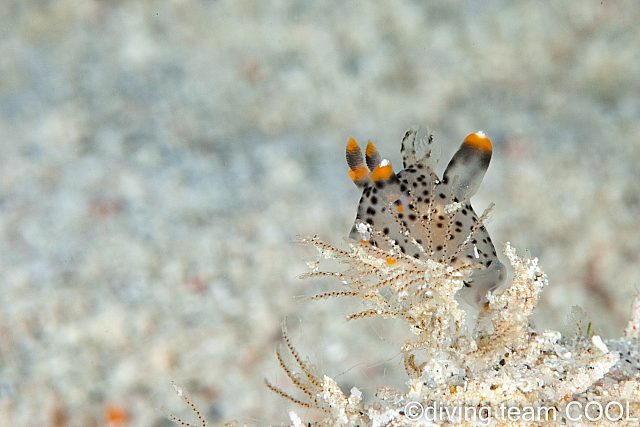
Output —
(382, 171)
(371, 150)
(352, 145)
(359, 173)
(479, 140)
(116, 415)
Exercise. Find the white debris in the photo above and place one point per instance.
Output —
(597, 341)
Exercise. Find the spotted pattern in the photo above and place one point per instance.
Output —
(425, 216)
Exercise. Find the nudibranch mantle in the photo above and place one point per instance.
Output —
(426, 217)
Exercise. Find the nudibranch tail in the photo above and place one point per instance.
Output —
(470, 163)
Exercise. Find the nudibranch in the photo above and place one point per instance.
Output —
(424, 216)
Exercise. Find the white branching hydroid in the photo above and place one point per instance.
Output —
(502, 373)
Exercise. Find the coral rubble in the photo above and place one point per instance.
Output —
(502, 373)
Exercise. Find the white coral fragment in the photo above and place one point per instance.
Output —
(295, 419)
(597, 341)
(502, 367)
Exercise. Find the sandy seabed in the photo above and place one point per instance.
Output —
(158, 157)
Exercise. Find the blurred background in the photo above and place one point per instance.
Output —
(157, 158)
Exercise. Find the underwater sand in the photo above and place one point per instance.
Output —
(158, 157)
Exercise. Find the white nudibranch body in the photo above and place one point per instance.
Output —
(425, 216)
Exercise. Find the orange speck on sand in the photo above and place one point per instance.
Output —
(116, 416)
(391, 261)
(196, 285)
(106, 208)
(400, 209)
